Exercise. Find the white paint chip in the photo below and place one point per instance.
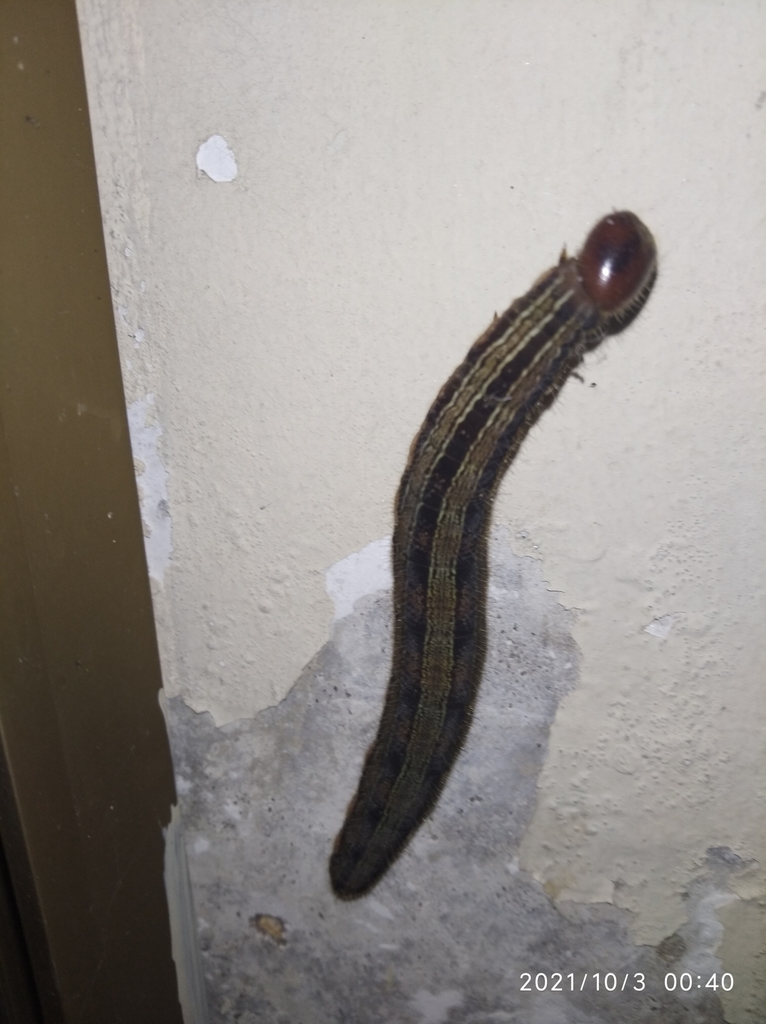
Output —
(660, 627)
(434, 1009)
(152, 487)
(380, 909)
(231, 811)
(216, 160)
(364, 572)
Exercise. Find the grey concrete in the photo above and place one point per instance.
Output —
(450, 930)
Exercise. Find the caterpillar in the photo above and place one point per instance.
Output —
(473, 430)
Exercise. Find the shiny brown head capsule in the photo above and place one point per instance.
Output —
(617, 266)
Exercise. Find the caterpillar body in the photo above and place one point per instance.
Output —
(474, 428)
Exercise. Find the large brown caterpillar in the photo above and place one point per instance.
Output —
(469, 437)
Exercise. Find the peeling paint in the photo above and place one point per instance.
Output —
(449, 930)
(152, 480)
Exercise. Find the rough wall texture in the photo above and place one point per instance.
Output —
(451, 931)
(312, 208)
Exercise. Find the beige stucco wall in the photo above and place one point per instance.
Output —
(403, 170)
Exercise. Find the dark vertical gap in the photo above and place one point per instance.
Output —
(19, 1003)
(86, 782)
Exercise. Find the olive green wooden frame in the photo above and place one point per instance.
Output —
(86, 780)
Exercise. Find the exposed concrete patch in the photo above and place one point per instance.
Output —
(455, 919)
(192, 993)
(724, 934)
(743, 953)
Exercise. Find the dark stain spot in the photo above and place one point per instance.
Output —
(671, 948)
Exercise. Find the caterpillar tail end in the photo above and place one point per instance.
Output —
(356, 869)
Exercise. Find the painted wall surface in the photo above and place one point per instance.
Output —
(313, 208)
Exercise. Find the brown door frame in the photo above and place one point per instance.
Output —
(86, 781)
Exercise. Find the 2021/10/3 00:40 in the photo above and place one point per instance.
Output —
(609, 981)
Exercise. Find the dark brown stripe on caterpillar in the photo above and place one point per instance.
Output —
(470, 435)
